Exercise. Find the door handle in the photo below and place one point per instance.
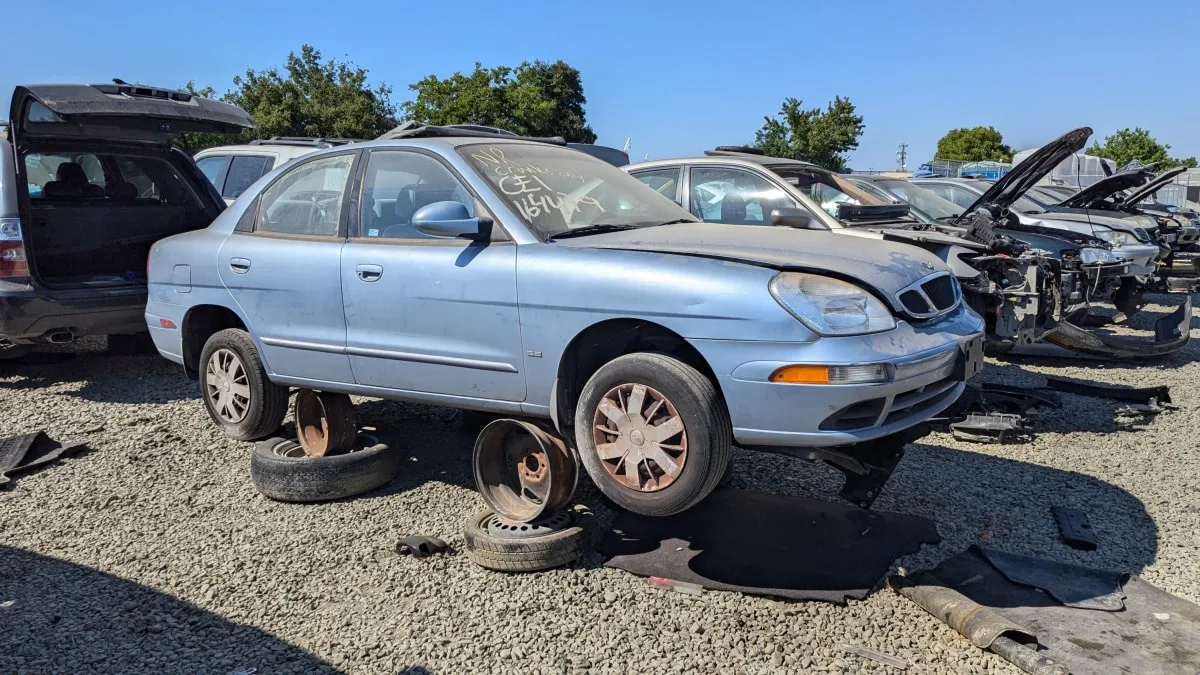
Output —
(369, 272)
(239, 265)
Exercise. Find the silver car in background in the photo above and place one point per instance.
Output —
(499, 274)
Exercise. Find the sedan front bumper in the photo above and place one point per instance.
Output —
(928, 367)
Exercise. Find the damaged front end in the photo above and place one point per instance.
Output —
(1027, 297)
(1018, 295)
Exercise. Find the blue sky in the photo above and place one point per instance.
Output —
(680, 77)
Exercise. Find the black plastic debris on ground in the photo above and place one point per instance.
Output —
(1075, 529)
(421, 546)
(761, 544)
(994, 413)
(1160, 394)
(19, 454)
(990, 428)
(1052, 617)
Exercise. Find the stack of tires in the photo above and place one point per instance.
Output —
(329, 460)
(526, 476)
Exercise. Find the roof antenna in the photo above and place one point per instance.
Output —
(117, 80)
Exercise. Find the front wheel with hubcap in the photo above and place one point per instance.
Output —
(239, 397)
(653, 433)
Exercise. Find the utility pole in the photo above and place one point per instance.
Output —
(902, 157)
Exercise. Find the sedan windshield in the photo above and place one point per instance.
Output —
(921, 199)
(557, 190)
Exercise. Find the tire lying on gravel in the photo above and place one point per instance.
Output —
(281, 471)
(667, 462)
(526, 547)
(239, 397)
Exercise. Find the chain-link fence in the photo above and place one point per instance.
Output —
(953, 168)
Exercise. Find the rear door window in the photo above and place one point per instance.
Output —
(243, 171)
(307, 200)
(214, 168)
(663, 181)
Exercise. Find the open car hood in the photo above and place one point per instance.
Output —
(1155, 184)
(118, 112)
(1026, 174)
(876, 264)
(1095, 194)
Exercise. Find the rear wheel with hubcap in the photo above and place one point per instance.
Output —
(653, 433)
(239, 397)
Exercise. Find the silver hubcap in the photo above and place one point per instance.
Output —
(227, 385)
(640, 437)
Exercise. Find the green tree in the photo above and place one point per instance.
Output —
(533, 99)
(314, 98)
(310, 97)
(812, 135)
(1125, 145)
(977, 144)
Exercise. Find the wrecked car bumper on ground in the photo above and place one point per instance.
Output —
(926, 369)
(1171, 333)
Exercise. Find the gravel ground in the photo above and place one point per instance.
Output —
(154, 553)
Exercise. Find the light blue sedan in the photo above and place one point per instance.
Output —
(520, 277)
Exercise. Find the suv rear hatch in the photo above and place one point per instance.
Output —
(98, 181)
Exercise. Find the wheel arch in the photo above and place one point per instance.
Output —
(199, 324)
(602, 342)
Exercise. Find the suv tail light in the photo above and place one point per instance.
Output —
(12, 249)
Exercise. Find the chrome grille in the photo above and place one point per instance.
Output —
(935, 294)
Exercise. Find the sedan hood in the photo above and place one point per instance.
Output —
(1095, 194)
(1156, 184)
(1026, 174)
(886, 267)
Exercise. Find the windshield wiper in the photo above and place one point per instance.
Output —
(599, 228)
(677, 221)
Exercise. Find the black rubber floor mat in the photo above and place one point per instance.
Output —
(29, 451)
(789, 547)
(1152, 631)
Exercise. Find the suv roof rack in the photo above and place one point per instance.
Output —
(305, 142)
(411, 129)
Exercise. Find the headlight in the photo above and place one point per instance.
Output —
(830, 306)
(1143, 220)
(1113, 237)
(1092, 256)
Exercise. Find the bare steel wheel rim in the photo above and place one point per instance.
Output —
(228, 385)
(639, 437)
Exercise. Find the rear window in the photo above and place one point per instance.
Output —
(243, 171)
(90, 178)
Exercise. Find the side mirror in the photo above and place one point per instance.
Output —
(797, 218)
(448, 220)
